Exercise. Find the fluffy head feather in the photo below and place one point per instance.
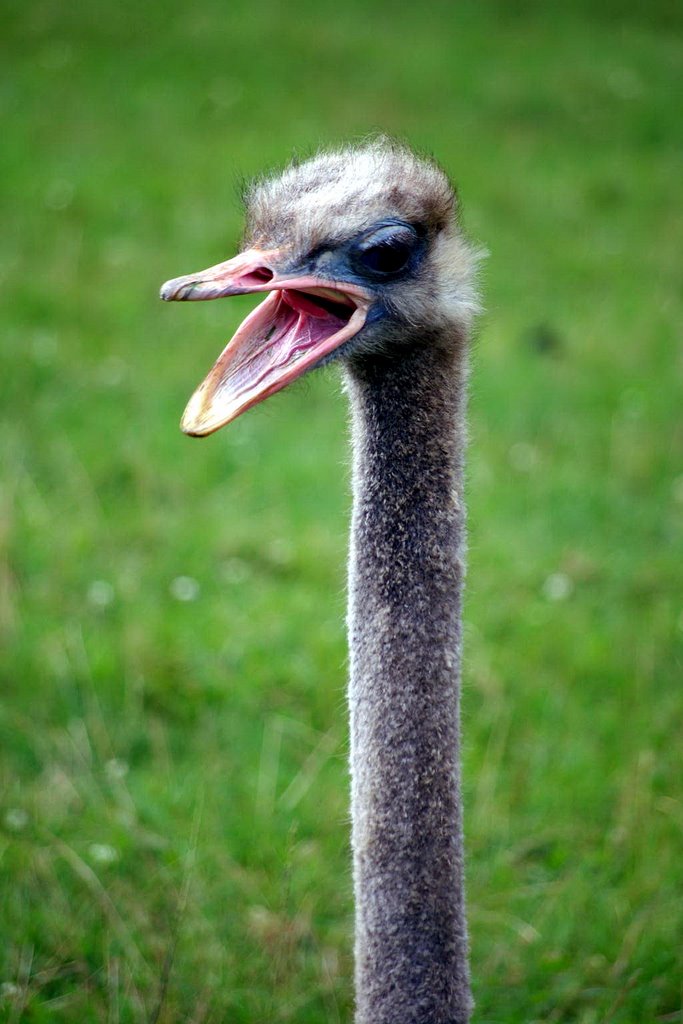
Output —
(312, 208)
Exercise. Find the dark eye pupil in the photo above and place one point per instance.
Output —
(388, 257)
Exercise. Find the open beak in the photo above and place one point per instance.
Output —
(302, 320)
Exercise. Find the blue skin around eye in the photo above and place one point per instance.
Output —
(344, 262)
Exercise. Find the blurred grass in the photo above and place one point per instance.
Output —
(173, 793)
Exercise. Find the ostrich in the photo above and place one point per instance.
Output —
(362, 259)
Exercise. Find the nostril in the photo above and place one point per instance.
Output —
(259, 275)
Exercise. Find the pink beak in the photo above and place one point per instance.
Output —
(302, 320)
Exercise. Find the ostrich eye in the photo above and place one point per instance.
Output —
(388, 250)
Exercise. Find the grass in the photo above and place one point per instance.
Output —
(173, 785)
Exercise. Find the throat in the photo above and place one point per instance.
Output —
(408, 523)
(408, 437)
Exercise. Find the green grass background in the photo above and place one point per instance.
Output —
(173, 781)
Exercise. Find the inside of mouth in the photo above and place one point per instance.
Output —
(319, 306)
(295, 326)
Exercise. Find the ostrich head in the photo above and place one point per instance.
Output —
(360, 253)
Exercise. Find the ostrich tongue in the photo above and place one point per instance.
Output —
(300, 322)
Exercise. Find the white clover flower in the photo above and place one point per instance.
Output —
(100, 594)
(16, 819)
(103, 853)
(116, 768)
(557, 587)
(184, 588)
(281, 552)
(235, 570)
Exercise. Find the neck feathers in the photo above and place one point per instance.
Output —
(406, 573)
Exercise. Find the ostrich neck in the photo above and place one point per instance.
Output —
(405, 583)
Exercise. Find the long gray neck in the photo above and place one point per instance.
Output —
(406, 574)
